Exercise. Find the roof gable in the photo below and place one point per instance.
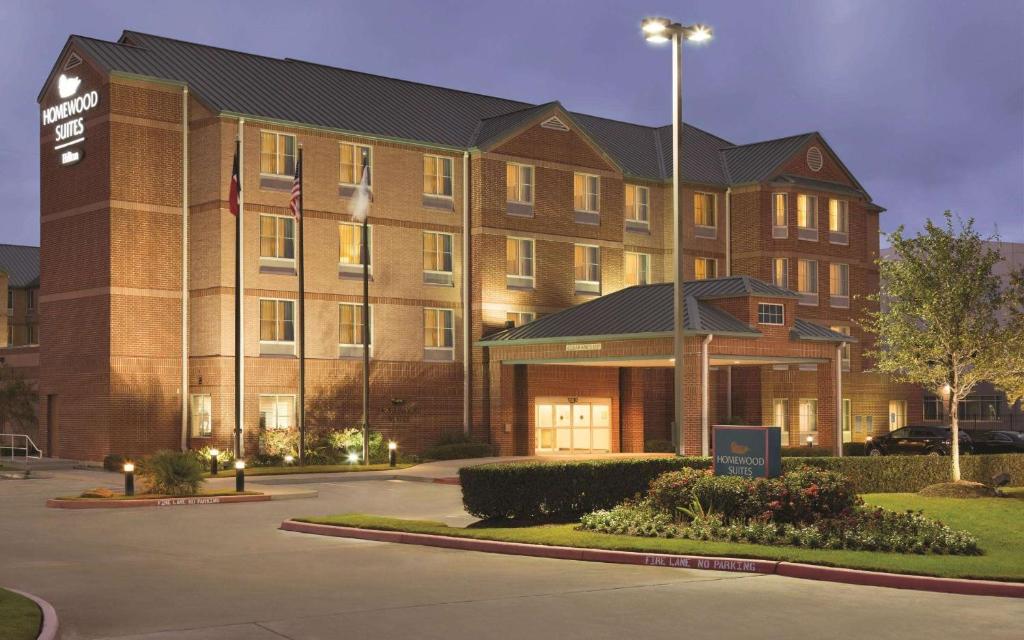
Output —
(21, 263)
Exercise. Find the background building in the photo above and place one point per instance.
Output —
(486, 212)
(19, 285)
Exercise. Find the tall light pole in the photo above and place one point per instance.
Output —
(657, 31)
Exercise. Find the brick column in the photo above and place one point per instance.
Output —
(631, 397)
(828, 424)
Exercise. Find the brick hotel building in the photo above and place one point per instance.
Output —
(517, 256)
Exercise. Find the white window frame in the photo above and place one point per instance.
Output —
(440, 312)
(839, 212)
(785, 272)
(356, 163)
(521, 279)
(780, 230)
(706, 261)
(30, 295)
(643, 267)
(195, 426)
(808, 297)
(277, 307)
(277, 399)
(357, 267)
(588, 195)
(275, 259)
(784, 422)
(517, 198)
(440, 163)
(713, 199)
(280, 166)
(438, 237)
(808, 418)
(808, 205)
(357, 309)
(520, 317)
(845, 330)
(847, 420)
(638, 211)
(597, 264)
(763, 312)
(836, 299)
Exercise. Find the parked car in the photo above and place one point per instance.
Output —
(998, 441)
(919, 440)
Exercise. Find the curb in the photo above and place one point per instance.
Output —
(87, 503)
(50, 624)
(742, 565)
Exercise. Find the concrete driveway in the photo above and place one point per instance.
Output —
(226, 572)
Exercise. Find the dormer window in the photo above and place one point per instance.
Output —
(771, 313)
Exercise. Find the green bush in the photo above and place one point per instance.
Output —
(909, 474)
(659, 446)
(458, 450)
(113, 462)
(561, 490)
(173, 473)
(724, 495)
(854, 449)
(673, 490)
(805, 452)
(802, 496)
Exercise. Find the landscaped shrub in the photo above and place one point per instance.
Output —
(173, 473)
(806, 452)
(802, 496)
(909, 474)
(458, 450)
(113, 462)
(224, 456)
(854, 449)
(673, 491)
(728, 496)
(532, 490)
(659, 446)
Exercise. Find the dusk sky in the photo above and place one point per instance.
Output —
(922, 99)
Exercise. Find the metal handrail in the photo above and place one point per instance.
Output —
(28, 446)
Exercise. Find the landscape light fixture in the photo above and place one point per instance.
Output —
(288, 459)
(239, 476)
(392, 453)
(660, 30)
(810, 441)
(353, 457)
(214, 468)
(129, 479)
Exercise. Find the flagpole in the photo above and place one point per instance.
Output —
(239, 294)
(302, 316)
(366, 341)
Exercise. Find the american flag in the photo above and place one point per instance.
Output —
(296, 203)
(235, 188)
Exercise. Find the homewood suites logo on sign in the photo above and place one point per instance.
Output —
(750, 452)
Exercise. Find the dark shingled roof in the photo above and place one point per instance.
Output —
(21, 264)
(804, 330)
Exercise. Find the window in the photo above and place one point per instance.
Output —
(10, 301)
(770, 313)
(839, 284)
(519, 318)
(704, 209)
(897, 414)
(807, 211)
(10, 335)
(978, 407)
(807, 280)
(355, 157)
(437, 176)
(847, 420)
(588, 268)
(31, 299)
(277, 411)
(437, 257)
(780, 412)
(349, 241)
(780, 272)
(438, 329)
(277, 320)
(519, 262)
(32, 337)
(277, 154)
(808, 415)
(277, 237)
(350, 324)
(638, 268)
(586, 192)
(202, 415)
(780, 202)
(933, 408)
(705, 268)
(638, 200)
(846, 345)
(519, 183)
(838, 216)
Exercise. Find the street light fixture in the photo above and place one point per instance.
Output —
(659, 30)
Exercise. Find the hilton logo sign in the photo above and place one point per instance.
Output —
(68, 118)
(750, 452)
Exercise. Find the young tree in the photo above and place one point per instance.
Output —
(17, 398)
(945, 321)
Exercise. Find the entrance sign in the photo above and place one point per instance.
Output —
(68, 119)
(750, 452)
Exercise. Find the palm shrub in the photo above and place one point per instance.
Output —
(172, 473)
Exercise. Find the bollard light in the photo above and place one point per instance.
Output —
(810, 441)
(392, 453)
(288, 459)
(353, 457)
(213, 461)
(129, 479)
(239, 476)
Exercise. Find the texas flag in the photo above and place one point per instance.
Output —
(236, 185)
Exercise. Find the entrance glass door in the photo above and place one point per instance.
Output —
(577, 425)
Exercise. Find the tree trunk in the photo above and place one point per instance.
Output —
(954, 435)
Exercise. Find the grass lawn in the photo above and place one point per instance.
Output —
(203, 493)
(997, 522)
(20, 618)
(309, 468)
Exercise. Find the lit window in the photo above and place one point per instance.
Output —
(438, 328)
(277, 237)
(808, 415)
(519, 183)
(704, 209)
(638, 268)
(519, 318)
(354, 158)
(586, 192)
(780, 411)
(807, 211)
(779, 204)
(588, 266)
(519, 260)
(277, 411)
(349, 241)
(277, 154)
(780, 272)
(350, 324)
(437, 176)
(838, 216)
(807, 277)
(770, 313)
(705, 268)
(437, 252)
(839, 280)
(846, 345)
(847, 419)
(637, 204)
(277, 320)
(202, 415)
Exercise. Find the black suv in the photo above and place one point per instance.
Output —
(921, 440)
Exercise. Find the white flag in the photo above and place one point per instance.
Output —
(360, 204)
